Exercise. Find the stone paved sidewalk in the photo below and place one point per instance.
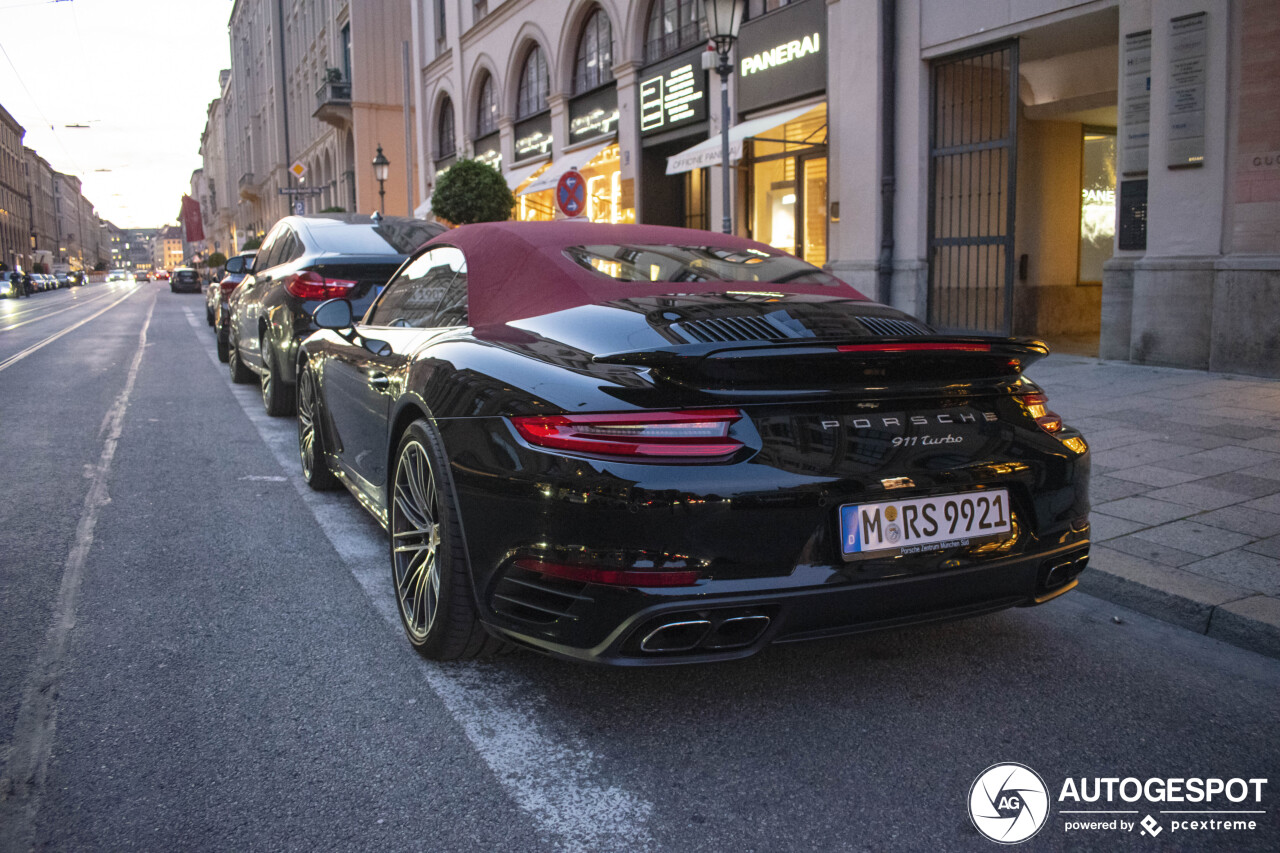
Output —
(1185, 492)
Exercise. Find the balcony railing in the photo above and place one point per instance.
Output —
(333, 103)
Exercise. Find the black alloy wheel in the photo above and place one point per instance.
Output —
(315, 465)
(276, 396)
(240, 374)
(428, 561)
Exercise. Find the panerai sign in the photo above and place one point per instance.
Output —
(782, 55)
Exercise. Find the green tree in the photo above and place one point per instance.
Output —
(334, 209)
(251, 244)
(100, 266)
(217, 259)
(472, 191)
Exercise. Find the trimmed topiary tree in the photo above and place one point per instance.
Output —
(471, 191)
(217, 259)
(251, 244)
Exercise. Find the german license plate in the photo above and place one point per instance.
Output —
(921, 525)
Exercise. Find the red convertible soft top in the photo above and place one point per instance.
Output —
(517, 270)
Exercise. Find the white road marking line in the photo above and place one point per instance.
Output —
(555, 779)
(27, 763)
(48, 314)
(265, 478)
(14, 359)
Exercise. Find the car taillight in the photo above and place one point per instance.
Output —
(1037, 407)
(613, 577)
(309, 284)
(693, 433)
(227, 286)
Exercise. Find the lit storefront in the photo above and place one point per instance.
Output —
(782, 80)
(673, 116)
(594, 151)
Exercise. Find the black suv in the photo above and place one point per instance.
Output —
(306, 260)
(184, 279)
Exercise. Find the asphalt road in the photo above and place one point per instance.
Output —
(198, 653)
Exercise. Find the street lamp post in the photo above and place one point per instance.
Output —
(381, 165)
(724, 18)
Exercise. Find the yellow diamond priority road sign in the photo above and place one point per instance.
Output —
(298, 170)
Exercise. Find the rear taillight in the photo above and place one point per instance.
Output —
(693, 433)
(1037, 407)
(309, 284)
(227, 286)
(613, 577)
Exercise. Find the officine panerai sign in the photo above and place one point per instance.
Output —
(782, 56)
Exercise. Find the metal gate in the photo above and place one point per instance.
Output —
(972, 178)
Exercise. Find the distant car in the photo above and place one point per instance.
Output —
(117, 275)
(304, 261)
(217, 294)
(184, 279)
(162, 275)
(47, 282)
(62, 279)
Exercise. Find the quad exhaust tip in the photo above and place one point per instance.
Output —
(687, 632)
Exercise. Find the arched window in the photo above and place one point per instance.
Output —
(531, 97)
(446, 140)
(487, 108)
(593, 65)
(674, 25)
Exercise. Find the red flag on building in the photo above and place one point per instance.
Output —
(191, 221)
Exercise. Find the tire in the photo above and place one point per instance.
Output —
(224, 349)
(429, 571)
(311, 447)
(208, 314)
(277, 397)
(240, 374)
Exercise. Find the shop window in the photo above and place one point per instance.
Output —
(593, 66)
(788, 186)
(531, 98)
(697, 200)
(487, 108)
(673, 26)
(1097, 203)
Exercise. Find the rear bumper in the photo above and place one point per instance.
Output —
(740, 625)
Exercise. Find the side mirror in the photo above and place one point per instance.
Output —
(234, 265)
(333, 314)
(379, 348)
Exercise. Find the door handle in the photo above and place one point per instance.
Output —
(379, 381)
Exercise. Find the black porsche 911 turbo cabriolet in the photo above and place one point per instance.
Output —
(641, 445)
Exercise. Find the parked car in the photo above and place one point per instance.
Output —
(184, 279)
(217, 294)
(645, 445)
(47, 281)
(304, 261)
(62, 279)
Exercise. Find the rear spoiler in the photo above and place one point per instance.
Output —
(983, 354)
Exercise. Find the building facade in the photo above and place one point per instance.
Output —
(314, 88)
(1102, 174)
(15, 203)
(42, 215)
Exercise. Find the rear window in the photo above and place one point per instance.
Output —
(400, 237)
(695, 263)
